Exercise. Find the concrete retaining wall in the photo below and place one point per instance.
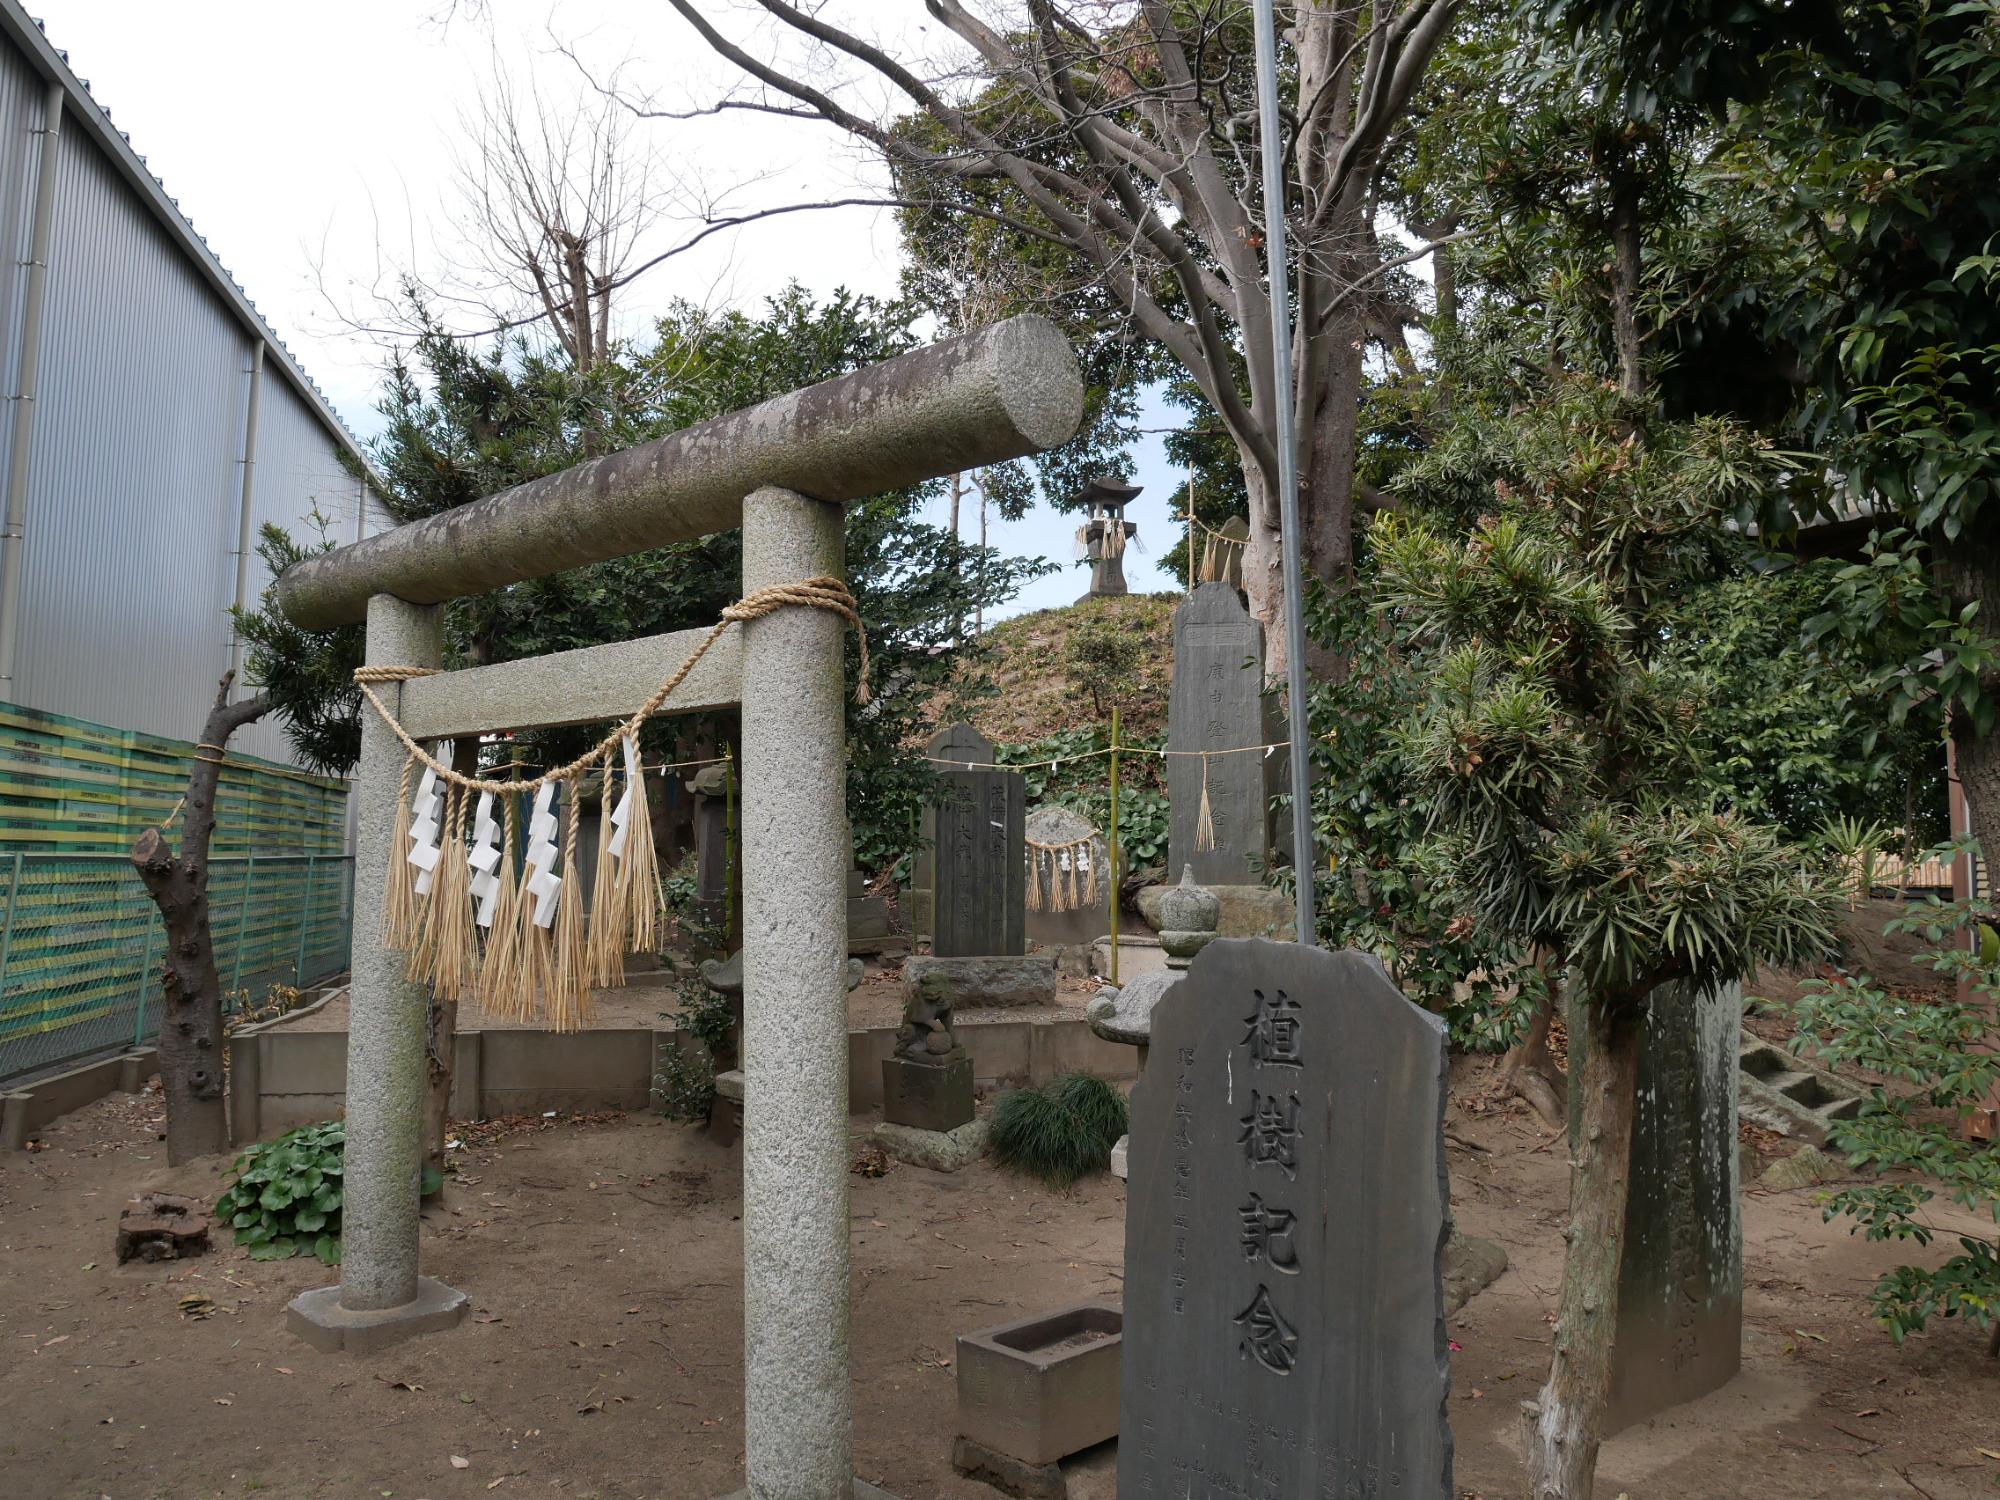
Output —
(301, 1076)
(24, 1112)
(281, 1077)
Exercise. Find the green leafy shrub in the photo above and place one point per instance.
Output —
(1059, 1132)
(1099, 658)
(1932, 1045)
(685, 1084)
(285, 1197)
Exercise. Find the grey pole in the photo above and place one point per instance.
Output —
(1303, 856)
(244, 506)
(386, 1013)
(798, 1434)
(13, 535)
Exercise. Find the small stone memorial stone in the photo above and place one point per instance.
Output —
(1680, 1290)
(978, 897)
(1217, 704)
(1285, 1229)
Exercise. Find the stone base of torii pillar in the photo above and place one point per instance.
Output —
(863, 1490)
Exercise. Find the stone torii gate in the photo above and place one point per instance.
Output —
(782, 471)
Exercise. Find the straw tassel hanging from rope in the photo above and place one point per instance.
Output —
(607, 924)
(502, 979)
(638, 861)
(569, 977)
(1062, 877)
(1204, 820)
(399, 900)
(451, 938)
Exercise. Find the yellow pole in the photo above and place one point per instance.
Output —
(1111, 844)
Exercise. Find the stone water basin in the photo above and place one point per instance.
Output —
(1044, 1387)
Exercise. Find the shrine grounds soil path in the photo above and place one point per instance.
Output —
(603, 1356)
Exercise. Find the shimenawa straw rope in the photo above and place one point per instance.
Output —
(535, 958)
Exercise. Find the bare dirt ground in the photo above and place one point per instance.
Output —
(603, 1358)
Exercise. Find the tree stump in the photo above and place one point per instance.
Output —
(162, 1226)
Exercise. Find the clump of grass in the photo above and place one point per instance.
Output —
(1059, 1132)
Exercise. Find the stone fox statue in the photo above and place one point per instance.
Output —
(926, 1029)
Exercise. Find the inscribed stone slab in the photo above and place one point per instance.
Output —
(1217, 704)
(1680, 1295)
(979, 897)
(1285, 1229)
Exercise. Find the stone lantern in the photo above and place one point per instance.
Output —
(1189, 917)
(1107, 531)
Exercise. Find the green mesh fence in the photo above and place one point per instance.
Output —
(79, 941)
(80, 945)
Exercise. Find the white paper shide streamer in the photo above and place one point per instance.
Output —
(621, 815)
(484, 858)
(543, 882)
(426, 821)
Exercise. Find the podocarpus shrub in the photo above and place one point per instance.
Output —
(1059, 1132)
(285, 1197)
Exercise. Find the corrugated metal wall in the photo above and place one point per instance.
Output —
(21, 90)
(297, 471)
(132, 510)
(135, 480)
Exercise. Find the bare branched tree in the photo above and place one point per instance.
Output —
(1115, 142)
(556, 199)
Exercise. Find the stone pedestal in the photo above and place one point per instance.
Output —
(928, 1095)
(1005, 981)
(863, 1490)
(318, 1318)
(938, 1150)
(725, 1120)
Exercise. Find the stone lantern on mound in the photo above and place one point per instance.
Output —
(1105, 534)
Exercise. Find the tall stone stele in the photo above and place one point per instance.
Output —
(1680, 1288)
(1285, 1227)
(974, 852)
(1217, 704)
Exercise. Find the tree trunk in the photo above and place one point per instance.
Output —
(1968, 571)
(1565, 1424)
(191, 1050)
(1326, 517)
(1530, 1070)
(443, 1033)
(1626, 234)
(1329, 366)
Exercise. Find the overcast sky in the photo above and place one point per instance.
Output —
(315, 146)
